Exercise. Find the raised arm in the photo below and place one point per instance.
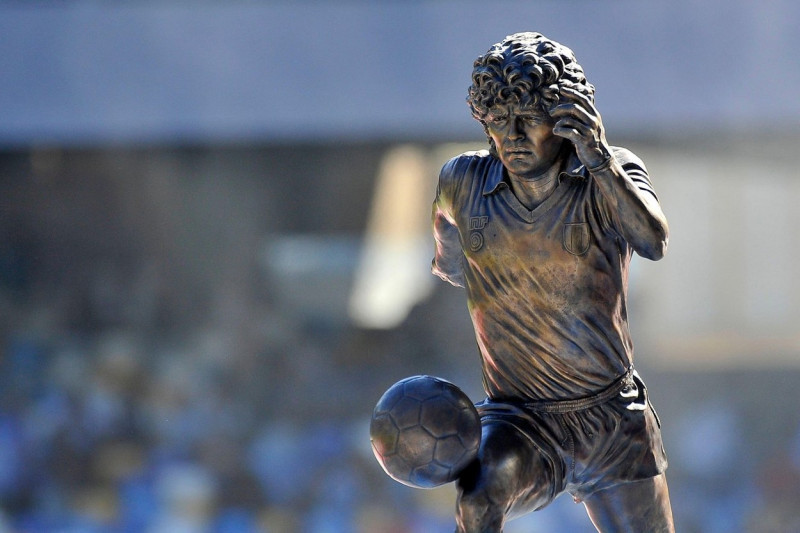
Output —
(634, 207)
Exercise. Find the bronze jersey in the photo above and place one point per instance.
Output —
(546, 289)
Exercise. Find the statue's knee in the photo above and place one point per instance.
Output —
(486, 491)
(477, 513)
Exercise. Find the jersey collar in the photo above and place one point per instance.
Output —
(494, 178)
(495, 181)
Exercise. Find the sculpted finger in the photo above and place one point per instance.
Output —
(573, 110)
(570, 129)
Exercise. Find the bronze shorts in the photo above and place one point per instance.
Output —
(592, 448)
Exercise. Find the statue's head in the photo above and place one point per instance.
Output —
(526, 69)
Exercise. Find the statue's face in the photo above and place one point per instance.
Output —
(524, 139)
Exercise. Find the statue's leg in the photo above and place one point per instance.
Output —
(509, 471)
(632, 507)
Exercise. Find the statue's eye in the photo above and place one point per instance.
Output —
(533, 119)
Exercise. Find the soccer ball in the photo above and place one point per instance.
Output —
(425, 431)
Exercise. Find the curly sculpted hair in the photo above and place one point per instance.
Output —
(527, 69)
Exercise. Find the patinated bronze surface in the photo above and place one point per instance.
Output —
(540, 230)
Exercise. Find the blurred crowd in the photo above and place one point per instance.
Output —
(207, 430)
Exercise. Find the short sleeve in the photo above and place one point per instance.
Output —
(448, 257)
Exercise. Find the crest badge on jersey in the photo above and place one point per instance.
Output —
(577, 238)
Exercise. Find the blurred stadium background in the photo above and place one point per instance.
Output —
(214, 253)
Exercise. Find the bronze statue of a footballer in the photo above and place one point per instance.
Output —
(540, 230)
